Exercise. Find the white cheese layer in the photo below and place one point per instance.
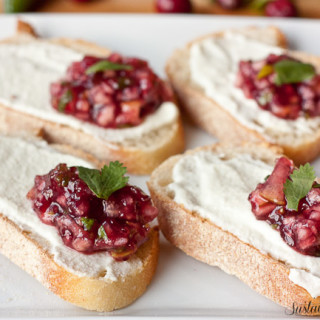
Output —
(28, 69)
(213, 67)
(21, 161)
(218, 190)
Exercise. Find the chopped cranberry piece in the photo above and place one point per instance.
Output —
(272, 189)
(230, 4)
(260, 206)
(110, 98)
(280, 8)
(173, 6)
(257, 79)
(299, 229)
(87, 223)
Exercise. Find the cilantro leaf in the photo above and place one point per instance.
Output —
(64, 100)
(103, 183)
(102, 233)
(299, 184)
(87, 223)
(107, 65)
(290, 71)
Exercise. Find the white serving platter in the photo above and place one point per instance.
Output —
(182, 287)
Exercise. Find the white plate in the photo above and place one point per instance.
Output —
(182, 286)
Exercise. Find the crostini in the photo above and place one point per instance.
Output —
(244, 85)
(82, 95)
(225, 206)
(84, 234)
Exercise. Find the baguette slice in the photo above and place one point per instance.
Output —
(101, 285)
(218, 120)
(140, 154)
(203, 240)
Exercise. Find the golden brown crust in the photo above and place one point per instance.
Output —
(140, 157)
(25, 28)
(216, 120)
(137, 160)
(208, 243)
(88, 293)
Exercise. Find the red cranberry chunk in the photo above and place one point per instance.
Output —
(110, 98)
(230, 4)
(272, 189)
(260, 206)
(173, 6)
(280, 8)
(302, 234)
(269, 195)
(87, 223)
(299, 229)
(257, 79)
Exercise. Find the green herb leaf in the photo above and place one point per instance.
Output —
(107, 65)
(298, 186)
(266, 177)
(289, 71)
(104, 183)
(88, 223)
(265, 71)
(64, 100)
(274, 226)
(102, 233)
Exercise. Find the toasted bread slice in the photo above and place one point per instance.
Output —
(197, 229)
(94, 282)
(140, 151)
(227, 125)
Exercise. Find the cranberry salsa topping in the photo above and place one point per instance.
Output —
(289, 200)
(111, 92)
(282, 85)
(92, 210)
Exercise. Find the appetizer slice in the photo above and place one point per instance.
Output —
(243, 85)
(204, 210)
(84, 233)
(110, 106)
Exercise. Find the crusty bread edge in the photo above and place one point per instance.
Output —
(213, 118)
(89, 293)
(205, 241)
(137, 160)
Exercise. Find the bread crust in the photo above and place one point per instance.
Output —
(89, 293)
(140, 157)
(216, 120)
(204, 241)
(137, 160)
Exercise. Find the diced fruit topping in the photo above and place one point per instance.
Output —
(173, 6)
(111, 92)
(94, 211)
(280, 8)
(230, 4)
(282, 85)
(289, 200)
(272, 189)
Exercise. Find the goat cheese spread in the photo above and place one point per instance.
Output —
(28, 69)
(218, 189)
(213, 64)
(24, 160)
